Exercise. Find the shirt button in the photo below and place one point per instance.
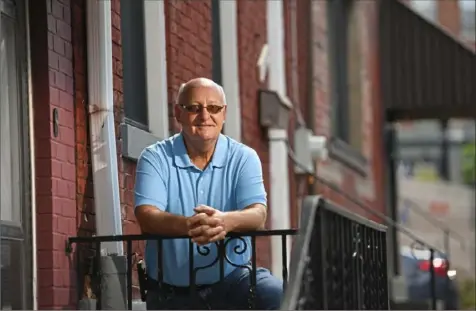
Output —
(201, 191)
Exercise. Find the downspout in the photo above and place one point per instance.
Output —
(101, 122)
(31, 130)
(279, 177)
(113, 263)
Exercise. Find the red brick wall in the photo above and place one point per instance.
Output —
(252, 36)
(296, 32)
(52, 73)
(189, 49)
(84, 183)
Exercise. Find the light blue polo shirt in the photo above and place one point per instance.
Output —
(167, 179)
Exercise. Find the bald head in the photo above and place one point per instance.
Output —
(195, 83)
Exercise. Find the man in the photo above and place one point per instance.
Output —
(202, 184)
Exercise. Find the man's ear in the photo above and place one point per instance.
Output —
(177, 113)
(224, 114)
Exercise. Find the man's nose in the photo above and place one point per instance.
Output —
(204, 114)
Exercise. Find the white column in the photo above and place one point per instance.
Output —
(229, 65)
(280, 205)
(280, 213)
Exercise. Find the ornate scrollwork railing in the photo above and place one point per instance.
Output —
(236, 243)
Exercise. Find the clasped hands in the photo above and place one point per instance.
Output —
(207, 225)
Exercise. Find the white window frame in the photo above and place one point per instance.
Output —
(135, 139)
(230, 67)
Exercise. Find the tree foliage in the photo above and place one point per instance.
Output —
(468, 162)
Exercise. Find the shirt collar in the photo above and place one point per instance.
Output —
(182, 159)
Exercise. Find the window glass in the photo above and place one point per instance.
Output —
(9, 124)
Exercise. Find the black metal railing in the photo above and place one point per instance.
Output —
(448, 233)
(247, 239)
(339, 261)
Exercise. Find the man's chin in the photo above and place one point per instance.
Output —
(206, 136)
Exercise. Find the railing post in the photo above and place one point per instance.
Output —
(447, 243)
(129, 275)
(97, 274)
(284, 239)
(391, 157)
(432, 280)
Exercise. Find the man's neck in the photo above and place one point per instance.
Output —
(200, 155)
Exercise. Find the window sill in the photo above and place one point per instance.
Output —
(134, 140)
(348, 156)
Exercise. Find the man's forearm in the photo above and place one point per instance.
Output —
(155, 221)
(251, 218)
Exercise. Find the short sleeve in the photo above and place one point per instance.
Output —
(150, 187)
(250, 186)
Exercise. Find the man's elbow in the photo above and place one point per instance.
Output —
(143, 215)
(263, 214)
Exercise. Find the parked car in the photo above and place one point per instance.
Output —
(416, 270)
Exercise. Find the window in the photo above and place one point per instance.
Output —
(426, 8)
(134, 63)
(468, 23)
(144, 75)
(9, 123)
(346, 67)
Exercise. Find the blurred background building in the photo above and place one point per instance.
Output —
(430, 149)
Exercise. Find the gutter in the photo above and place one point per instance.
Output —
(101, 122)
(113, 263)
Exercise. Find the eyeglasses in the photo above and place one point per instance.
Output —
(212, 109)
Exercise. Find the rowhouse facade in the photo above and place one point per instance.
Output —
(81, 78)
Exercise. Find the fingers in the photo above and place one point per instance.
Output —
(206, 234)
(203, 219)
(205, 231)
(206, 226)
(220, 236)
(205, 209)
(196, 220)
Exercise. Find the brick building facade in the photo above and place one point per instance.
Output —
(56, 87)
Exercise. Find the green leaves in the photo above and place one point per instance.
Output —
(468, 164)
